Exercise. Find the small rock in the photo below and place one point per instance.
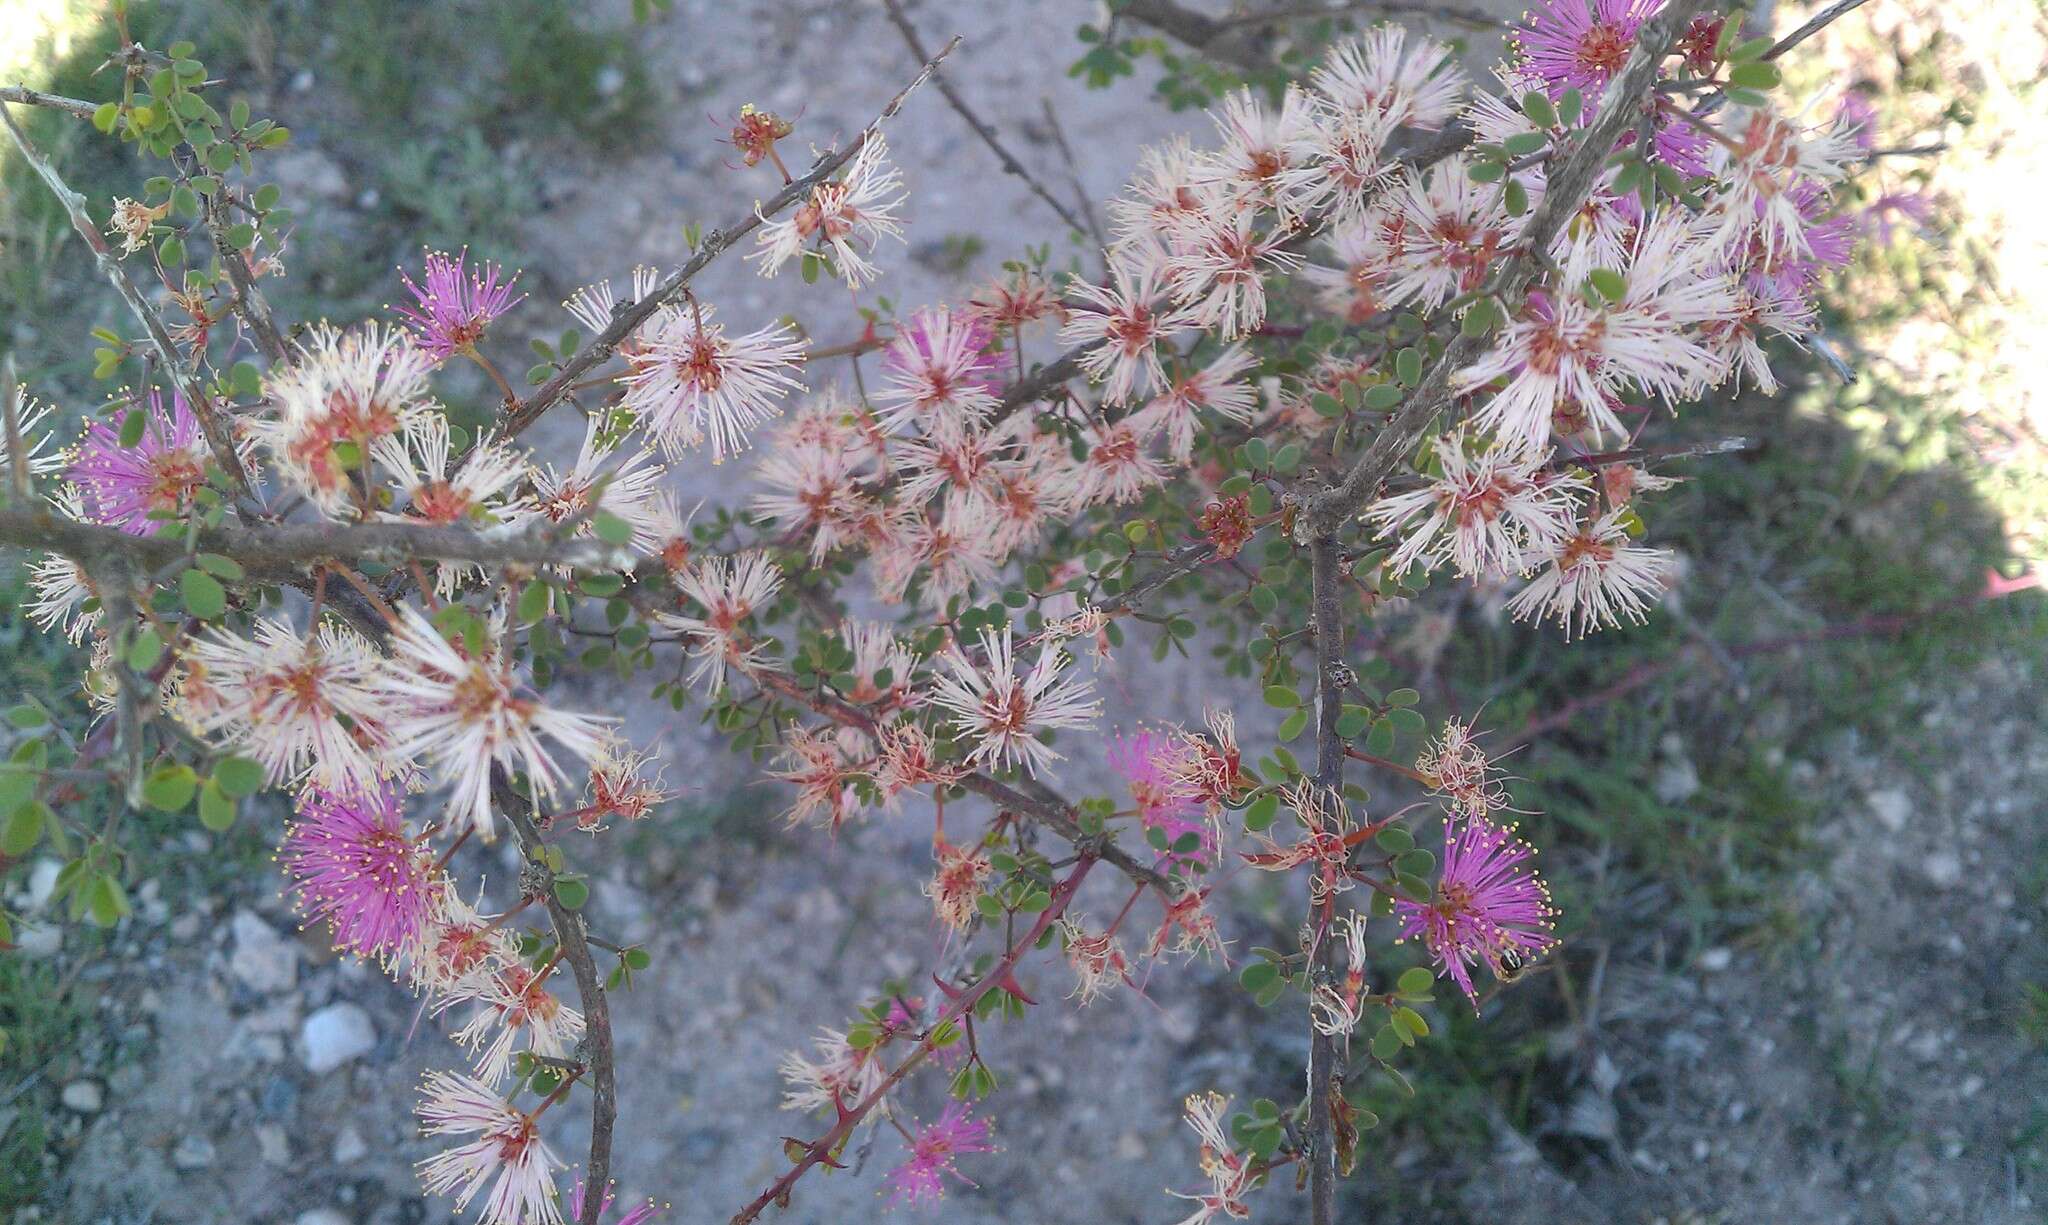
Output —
(350, 1147)
(193, 1153)
(262, 960)
(84, 1096)
(185, 927)
(1716, 959)
(1891, 807)
(334, 1035)
(42, 882)
(1943, 869)
(322, 1216)
(272, 1145)
(1676, 782)
(38, 940)
(1130, 1147)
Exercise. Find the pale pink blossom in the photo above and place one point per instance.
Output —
(1003, 714)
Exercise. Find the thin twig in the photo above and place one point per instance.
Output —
(981, 128)
(1073, 164)
(1814, 25)
(596, 1047)
(24, 96)
(1332, 675)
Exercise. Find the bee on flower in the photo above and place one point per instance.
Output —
(1488, 908)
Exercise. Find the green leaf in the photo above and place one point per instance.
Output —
(1415, 863)
(132, 425)
(24, 828)
(1386, 1043)
(1282, 697)
(220, 567)
(1382, 397)
(27, 717)
(216, 807)
(205, 598)
(238, 776)
(105, 900)
(1610, 284)
(1411, 1020)
(1479, 318)
(1753, 49)
(1569, 107)
(147, 648)
(1521, 144)
(1293, 725)
(1403, 697)
(1264, 600)
(104, 114)
(1487, 172)
(170, 788)
(571, 893)
(1257, 976)
(1406, 720)
(1537, 107)
(611, 529)
(1261, 813)
(1408, 366)
(1756, 75)
(533, 602)
(1415, 981)
(1394, 840)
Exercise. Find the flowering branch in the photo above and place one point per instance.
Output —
(628, 319)
(1327, 510)
(959, 1003)
(595, 1051)
(219, 433)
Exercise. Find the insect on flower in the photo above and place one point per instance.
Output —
(1489, 907)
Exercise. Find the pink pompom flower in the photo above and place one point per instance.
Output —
(933, 1151)
(455, 304)
(123, 486)
(1489, 907)
(353, 864)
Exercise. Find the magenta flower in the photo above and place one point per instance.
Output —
(123, 485)
(932, 1154)
(1143, 762)
(1581, 44)
(639, 1214)
(969, 332)
(455, 305)
(1488, 907)
(353, 863)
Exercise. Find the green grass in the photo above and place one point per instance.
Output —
(42, 1023)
